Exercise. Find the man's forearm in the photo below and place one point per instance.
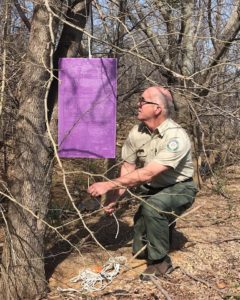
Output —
(130, 177)
(125, 171)
(138, 176)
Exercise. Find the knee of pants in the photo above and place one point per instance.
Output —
(152, 219)
(151, 210)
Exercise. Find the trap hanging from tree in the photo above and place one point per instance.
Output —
(87, 107)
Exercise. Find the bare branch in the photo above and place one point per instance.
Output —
(22, 15)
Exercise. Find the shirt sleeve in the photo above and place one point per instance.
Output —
(174, 151)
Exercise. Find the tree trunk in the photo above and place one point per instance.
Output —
(23, 275)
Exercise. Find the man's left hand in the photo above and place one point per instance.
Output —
(99, 188)
(111, 207)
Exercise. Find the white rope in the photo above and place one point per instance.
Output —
(93, 281)
(116, 235)
(89, 37)
(113, 214)
(89, 47)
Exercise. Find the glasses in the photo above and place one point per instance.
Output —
(142, 102)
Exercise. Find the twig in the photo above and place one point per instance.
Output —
(161, 289)
(201, 280)
(216, 241)
(4, 59)
(131, 259)
(186, 214)
(237, 238)
(140, 251)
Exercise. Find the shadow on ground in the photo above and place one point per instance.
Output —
(110, 234)
(178, 240)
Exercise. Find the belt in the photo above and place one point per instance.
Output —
(154, 190)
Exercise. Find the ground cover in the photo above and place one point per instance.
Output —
(205, 252)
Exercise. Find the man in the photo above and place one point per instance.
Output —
(164, 150)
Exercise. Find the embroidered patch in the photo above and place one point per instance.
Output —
(173, 145)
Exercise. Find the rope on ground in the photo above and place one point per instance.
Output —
(94, 281)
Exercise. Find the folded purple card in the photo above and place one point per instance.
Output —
(87, 107)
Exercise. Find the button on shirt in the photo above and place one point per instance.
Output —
(168, 145)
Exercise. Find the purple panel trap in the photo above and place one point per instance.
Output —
(87, 107)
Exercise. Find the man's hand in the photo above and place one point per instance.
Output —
(99, 188)
(110, 208)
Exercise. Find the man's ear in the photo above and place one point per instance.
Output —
(158, 110)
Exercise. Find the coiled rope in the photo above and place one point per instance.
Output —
(93, 281)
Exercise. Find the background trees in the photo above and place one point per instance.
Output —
(192, 48)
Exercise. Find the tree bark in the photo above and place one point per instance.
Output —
(22, 269)
(69, 44)
(23, 275)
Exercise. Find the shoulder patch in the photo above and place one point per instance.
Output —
(173, 145)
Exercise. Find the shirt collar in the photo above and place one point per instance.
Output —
(144, 129)
(163, 127)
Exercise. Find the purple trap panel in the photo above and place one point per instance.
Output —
(87, 107)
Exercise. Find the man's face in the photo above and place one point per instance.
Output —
(146, 107)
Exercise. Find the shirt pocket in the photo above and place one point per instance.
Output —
(141, 155)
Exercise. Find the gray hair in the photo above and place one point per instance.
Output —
(168, 105)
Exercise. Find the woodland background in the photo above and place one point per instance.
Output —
(190, 47)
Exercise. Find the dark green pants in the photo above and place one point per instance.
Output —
(151, 226)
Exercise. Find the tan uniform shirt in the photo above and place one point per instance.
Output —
(168, 145)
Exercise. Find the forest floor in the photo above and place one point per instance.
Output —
(205, 252)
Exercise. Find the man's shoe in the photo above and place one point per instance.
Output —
(157, 270)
